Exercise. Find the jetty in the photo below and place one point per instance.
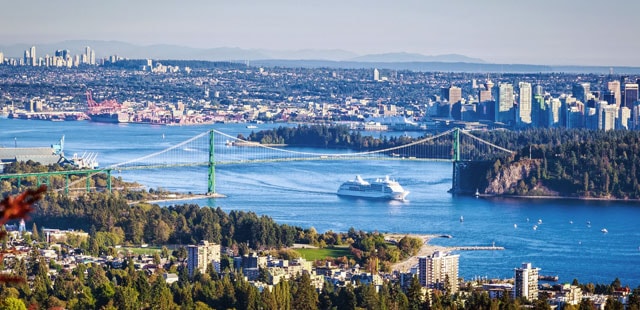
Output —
(477, 248)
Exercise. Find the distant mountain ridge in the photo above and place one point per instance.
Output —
(309, 58)
(412, 57)
(176, 52)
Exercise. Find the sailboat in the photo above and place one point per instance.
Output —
(461, 219)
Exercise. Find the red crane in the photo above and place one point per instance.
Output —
(105, 106)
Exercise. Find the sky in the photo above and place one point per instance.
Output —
(550, 32)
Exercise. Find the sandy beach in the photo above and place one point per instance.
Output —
(425, 250)
(181, 197)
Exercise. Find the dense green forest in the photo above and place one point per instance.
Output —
(324, 136)
(111, 220)
(576, 163)
(565, 162)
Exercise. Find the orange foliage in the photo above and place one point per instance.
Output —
(17, 207)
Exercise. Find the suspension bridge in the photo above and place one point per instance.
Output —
(214, 148)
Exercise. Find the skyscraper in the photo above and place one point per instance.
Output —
(525, 103)
(555, 113)
(27, 58)
(203, 255)
(437, 269)
(453, 94)
(86, 57)
(526, 283)
(614, 86)
(376, 75)
(581, 91)
(504, 111)
(606, 114)
(34, 59)
(537, 90)
(630, 94)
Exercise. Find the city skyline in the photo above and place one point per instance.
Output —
(497, 32)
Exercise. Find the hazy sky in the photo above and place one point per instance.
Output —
(510, 31)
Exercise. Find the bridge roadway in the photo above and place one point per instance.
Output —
(449, 151)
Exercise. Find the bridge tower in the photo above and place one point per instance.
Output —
(455, 186)
(211, 188)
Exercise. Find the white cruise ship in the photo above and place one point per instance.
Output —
(378, 189)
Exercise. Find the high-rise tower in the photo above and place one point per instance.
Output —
(203, 255)
(630, 94)
(526, 284)
(614, 86)
(524, 103)
(581, 91)
(440, 271)
(504, 111)
(34, 59)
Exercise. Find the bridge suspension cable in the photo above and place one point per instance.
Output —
(234, 150)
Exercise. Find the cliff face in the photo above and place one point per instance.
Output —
(506, 181)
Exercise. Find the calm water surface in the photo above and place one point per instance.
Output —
(303, 194)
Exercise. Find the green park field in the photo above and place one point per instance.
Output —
(316, 254)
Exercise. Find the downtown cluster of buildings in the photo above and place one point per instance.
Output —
(60, 58)
(527, 105)
(155, 92)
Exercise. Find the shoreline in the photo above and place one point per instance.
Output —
(182, 197)
(428, 249)
(425, 250)
(599, 199)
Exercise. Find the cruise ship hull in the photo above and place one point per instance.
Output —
(379, 189)
(374, 194)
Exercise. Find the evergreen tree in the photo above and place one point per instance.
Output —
(268, 300)
(34, 232)
(283, 295)
(346, 298)
(161, 296)
(367, 297)
(586, 304)
(414, 294)
(326, 296)
(613, 304)
(126, 298)
(306, 297)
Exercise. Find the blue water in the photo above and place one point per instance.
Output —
(303, 194)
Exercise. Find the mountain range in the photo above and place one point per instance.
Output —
(310, 58)
(176, 52)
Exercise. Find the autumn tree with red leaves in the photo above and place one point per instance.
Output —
(17, 207)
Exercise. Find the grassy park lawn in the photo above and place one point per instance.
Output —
(316, 254)
(143, 251)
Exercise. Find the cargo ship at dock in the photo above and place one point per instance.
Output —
(107, 111)
(116, 117)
